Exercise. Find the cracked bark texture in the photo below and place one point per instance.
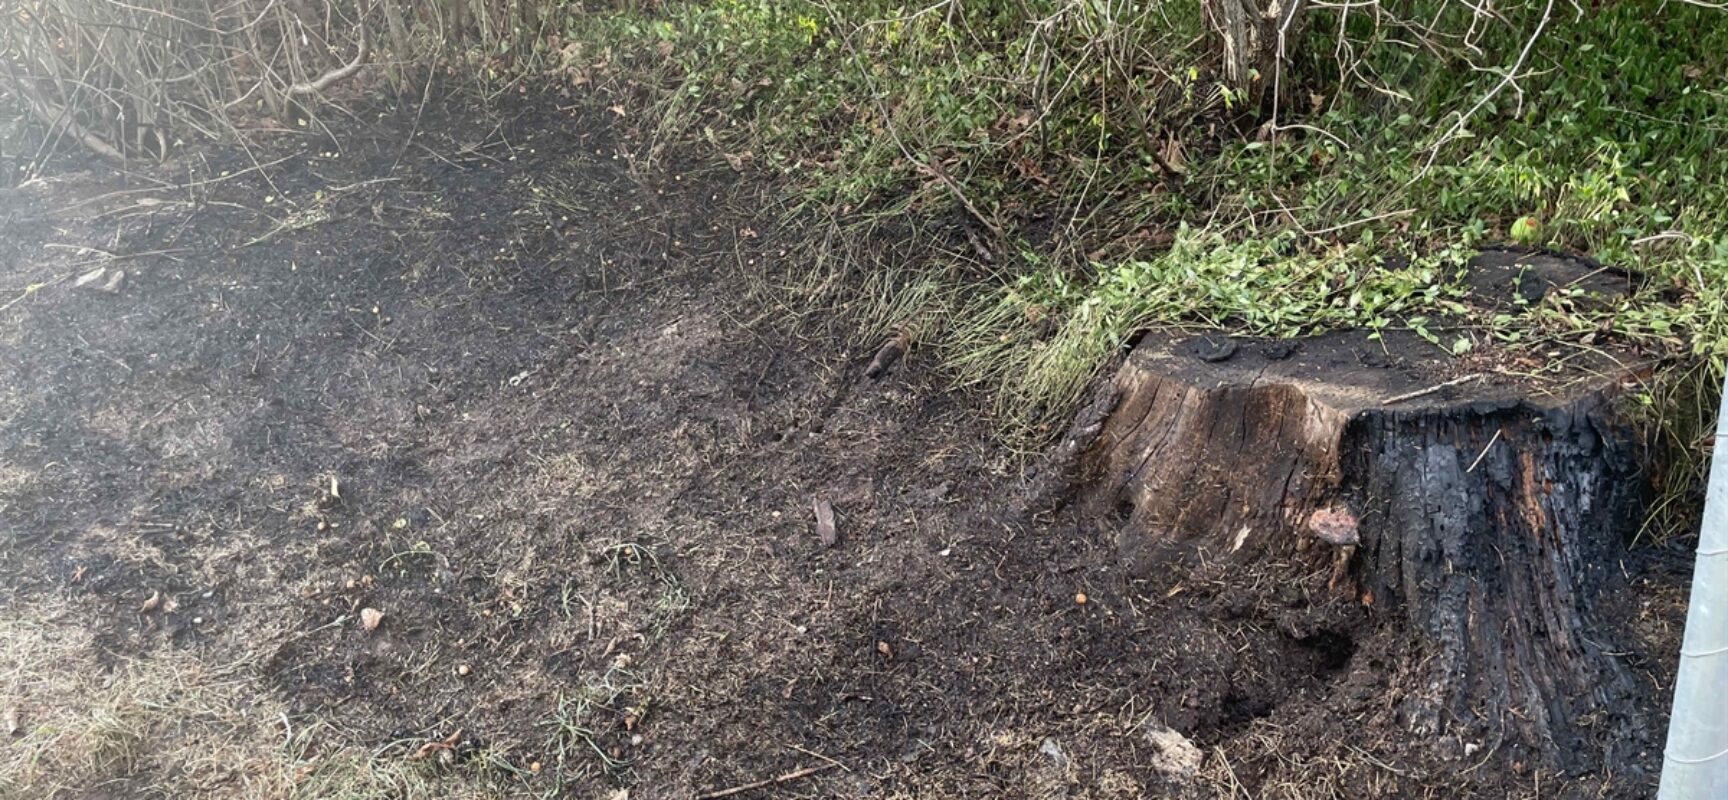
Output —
(1483, 518)
(1245, 35)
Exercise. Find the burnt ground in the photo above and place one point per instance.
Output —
(512, 392)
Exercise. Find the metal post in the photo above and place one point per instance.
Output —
(1695, 761)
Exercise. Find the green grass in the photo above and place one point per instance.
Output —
(577, 727)
(1119, 186)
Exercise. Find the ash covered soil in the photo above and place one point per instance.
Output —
(517, 394)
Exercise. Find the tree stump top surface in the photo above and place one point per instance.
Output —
(1352, 370)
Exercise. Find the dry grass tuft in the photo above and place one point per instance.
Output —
(134, 81)
(82, 725)
(1266, 756)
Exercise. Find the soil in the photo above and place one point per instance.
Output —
(512, 390)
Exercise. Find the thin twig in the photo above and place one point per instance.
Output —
(1510, 79)
(256, 167)
(1432, 389)
(419, 112)
(774, 781)
(1363, 221)
(28, 291)
(815, 754)
(1663, 236)
(1484, 453)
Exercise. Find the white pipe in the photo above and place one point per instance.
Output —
(1695, 761)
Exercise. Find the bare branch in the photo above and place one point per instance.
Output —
(331, 78)
(60, 119)
(1510, 79)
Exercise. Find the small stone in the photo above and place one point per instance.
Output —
(464, 670)
(371, 618)
(1173, 754)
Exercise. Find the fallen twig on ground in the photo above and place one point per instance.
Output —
(774, 781)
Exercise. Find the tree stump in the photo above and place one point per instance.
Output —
(1250, 38)
(1482, 512)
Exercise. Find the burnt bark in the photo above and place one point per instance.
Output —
(1482, 517)
(1495, 554)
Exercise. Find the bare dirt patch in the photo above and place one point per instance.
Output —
(507, 391)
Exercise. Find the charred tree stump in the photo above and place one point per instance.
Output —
(1484, 516)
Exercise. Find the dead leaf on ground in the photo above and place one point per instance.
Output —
(90, 278)
(1175, 159)
(737, 160)
(825, 529)
(9, 721)
(370, 618)
(429, 748)
(151, 604)
(886, 650)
